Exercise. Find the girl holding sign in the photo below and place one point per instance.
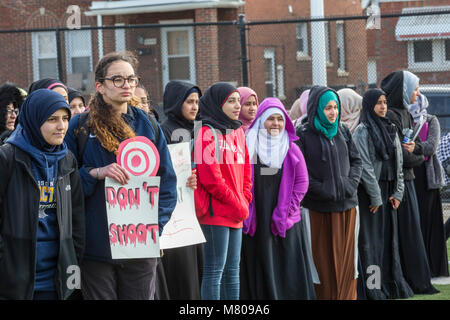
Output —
(110, 121)
(41, 204)
(223, 190)
(275, 262)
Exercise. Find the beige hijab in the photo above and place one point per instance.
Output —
(351, 103)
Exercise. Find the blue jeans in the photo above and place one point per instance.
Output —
(221, 259)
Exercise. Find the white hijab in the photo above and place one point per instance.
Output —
(271, 150)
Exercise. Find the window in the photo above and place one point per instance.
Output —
(423, 51)
(45, 64)
(79, 55)
(119, 35)
(178, 52)
(447, 50)
(302, 38)
(269, 72)
(372, 73)
(327, 41)
(280, 81)
(340, 44)
(429, 55)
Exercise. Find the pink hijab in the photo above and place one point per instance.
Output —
(298, 111)
(246, 93)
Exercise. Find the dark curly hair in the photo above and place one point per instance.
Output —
(9, 93)
(108, 127)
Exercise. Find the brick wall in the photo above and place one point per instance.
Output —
(16, 48)
(282, 38)
(392, 55)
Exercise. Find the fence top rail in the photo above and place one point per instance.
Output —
(133, 26)
(229, 23)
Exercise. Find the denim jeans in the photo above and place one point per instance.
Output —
(221, 259)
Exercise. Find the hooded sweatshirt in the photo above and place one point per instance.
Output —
(398, 85)
(175, 93)
(334, 165)
(223, 188)
(294, 180)
(36, 109)
(46, 83)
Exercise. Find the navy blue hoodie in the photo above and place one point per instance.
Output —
(36, 109)
(95, 156)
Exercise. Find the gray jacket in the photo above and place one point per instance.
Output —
(372, 166)
(434, 170)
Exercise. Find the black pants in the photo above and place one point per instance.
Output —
(127, 280)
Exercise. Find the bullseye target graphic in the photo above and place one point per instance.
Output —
(139, 156)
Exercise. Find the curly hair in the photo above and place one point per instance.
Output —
(9, 93)
(110, 128)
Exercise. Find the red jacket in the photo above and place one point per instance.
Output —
(223, 190)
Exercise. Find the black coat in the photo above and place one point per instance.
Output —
(334, 166)
(402, 119)
(19, 209)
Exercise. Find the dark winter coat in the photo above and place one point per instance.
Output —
(334, 166)
(19, 209)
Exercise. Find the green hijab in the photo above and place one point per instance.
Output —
(321, 122)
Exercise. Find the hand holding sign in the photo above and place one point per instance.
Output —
(132, 210)
(138, 156)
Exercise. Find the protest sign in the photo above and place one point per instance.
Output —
(132, 209)
(183, 228)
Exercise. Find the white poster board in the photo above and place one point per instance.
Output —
(132, 212)
(183, 228)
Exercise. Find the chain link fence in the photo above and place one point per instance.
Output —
(275, 58)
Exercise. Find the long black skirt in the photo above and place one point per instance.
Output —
(274, 268)
(413, 255)
(178, 274)
(431, 223)
(382, 275)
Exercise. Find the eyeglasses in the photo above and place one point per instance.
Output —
(9, 112)
(119, 81)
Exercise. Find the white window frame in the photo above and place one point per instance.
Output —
(340, 44)
(119, 37)
(164, 49)
(270, 54)
(35, 53)
(326, 26)
(372, 77)
(86, 51)
(280, 82)
(437, 64)
(301, 30)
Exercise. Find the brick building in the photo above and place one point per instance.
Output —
(202, 54)
(280, 54)
(420, 44)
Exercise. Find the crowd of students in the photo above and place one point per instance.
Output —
(338, 199)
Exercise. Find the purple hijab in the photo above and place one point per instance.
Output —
(294, 181)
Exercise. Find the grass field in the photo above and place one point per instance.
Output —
(444, 293)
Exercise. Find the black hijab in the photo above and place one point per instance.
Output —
(381, 130)
(75, 94)
(175, 94)
(211, 107)
(46, 83)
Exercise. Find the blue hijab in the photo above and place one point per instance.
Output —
(36, 109)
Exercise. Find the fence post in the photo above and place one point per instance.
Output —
(58, 56)
(244, 61)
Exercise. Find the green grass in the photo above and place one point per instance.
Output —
(444, 293)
